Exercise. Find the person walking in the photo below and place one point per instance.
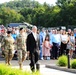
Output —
(8, 47)
(21, 47)
(33, 48)
(2, 36)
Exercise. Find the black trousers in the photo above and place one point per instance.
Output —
(63, 49)
(55, 50)
(34, 56)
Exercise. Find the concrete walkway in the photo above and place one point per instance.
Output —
(47, 71)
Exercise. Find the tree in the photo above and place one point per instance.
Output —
(7, 15)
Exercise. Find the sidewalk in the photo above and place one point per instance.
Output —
(65, 69)
(47, 71)
(27, 68)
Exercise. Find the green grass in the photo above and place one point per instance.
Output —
(7, 70)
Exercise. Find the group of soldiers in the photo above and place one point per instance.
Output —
(9, 45)
(21, 43)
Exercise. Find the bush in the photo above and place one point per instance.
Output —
(7, 70)
(73, 64)
(62, 60)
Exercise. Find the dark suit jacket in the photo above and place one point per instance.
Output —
(32, 44)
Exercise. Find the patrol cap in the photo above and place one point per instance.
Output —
(8, 32)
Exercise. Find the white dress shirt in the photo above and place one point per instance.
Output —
(35, 35)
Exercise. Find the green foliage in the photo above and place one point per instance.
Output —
(19, 4)
(73, 64)
(7, 70)
(4, 70)
(62, 60)
(7, 16)
(62, 14)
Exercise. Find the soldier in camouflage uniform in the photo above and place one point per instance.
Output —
(21, 47)
(2, 36)
(8, 47)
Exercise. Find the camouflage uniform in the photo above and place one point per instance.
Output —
(8, 45)
(2, 36)
(21, 47)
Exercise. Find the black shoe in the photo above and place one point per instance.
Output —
(37, 66)
(32, 68)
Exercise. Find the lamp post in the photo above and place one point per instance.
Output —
(68, 60)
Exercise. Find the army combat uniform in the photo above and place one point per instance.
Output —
(21, 48)
(2, 36)
(8, 45)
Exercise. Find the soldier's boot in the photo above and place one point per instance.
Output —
(20, 65)
(9, 60)
(6, 60)
(23, 59)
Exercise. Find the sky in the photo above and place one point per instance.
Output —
(41, 1)
(47, 1)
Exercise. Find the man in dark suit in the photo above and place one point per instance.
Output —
(33, 48)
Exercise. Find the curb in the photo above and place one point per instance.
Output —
(61, 68)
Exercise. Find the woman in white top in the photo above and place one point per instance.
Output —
(64, 40)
